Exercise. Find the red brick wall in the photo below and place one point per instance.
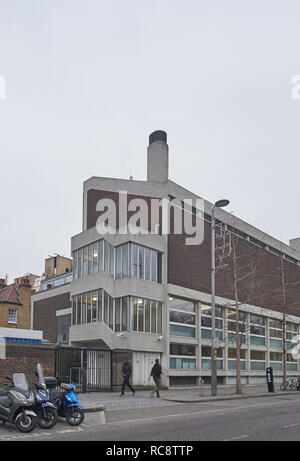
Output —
(190, 267)
(23, 358)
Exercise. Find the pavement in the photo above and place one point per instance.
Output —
(109, 401)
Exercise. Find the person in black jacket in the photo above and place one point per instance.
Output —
(156, 373)
(126, 373)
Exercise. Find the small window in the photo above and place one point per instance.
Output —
(12, 316)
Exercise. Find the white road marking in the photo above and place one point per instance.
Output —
(291, 425)
(237, 438)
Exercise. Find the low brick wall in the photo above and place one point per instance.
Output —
(23, 358)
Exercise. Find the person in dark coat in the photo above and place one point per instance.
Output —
(126, 373)
(156, 373)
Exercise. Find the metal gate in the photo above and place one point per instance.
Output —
(89, 369)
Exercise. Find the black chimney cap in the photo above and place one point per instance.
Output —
(158, 135)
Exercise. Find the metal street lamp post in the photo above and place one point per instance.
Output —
(218, 204)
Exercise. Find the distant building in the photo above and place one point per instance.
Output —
(15, 304)
(51, 304)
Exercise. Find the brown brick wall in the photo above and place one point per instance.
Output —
(23, 358)
(190, 267)
(93, 196)
(44, 314)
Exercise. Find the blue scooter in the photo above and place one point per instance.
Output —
(66, 401)
(46, 410)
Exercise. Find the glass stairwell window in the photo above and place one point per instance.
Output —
(125, 260)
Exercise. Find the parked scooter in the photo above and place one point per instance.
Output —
(16, 404)
(46, 411)
(66, 401)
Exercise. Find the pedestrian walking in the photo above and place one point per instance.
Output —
(156, 373)
(126, 373)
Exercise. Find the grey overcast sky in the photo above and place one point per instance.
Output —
(87, 81)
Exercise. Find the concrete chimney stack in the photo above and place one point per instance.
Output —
(158, 157)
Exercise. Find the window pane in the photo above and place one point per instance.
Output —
(159, 268)
(95, 257)
(232, 353)
(125, 326)
(100, 256)
(182, 364)
(206, 352)
(232, 365)
(153, 266)
(206, 364)
(140, 314)
(255, 330)
(133, 314)
(257, 340)
(85, 261)
(275, 343)
(276, 356)
(100, 295)
(134, 259)
(118, 261)
(118, 314)
(90, 262)
(257, 355)
(159, 317)
(94, 305)
(112, 261)
(182, 349)
(153, 317)
(206, 334)
(73, 312)
(111, 312)
(147, 315)
(89, 307)
(147, 264)
(75, 264)
(105, 308)
(206, 322)
(178, 330)
(182, 317)
(206, 310)
(275, 323)
(83, 319)
(125, 249)
(257, 319)
(231, 314)
(80, 263)
(79, 309)
(276, 333)
(141, 270)
(181, 304)
(257, 366)
(106, 256)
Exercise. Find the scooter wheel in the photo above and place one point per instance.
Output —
(26, 423)
(47, 418)
(74, 416)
